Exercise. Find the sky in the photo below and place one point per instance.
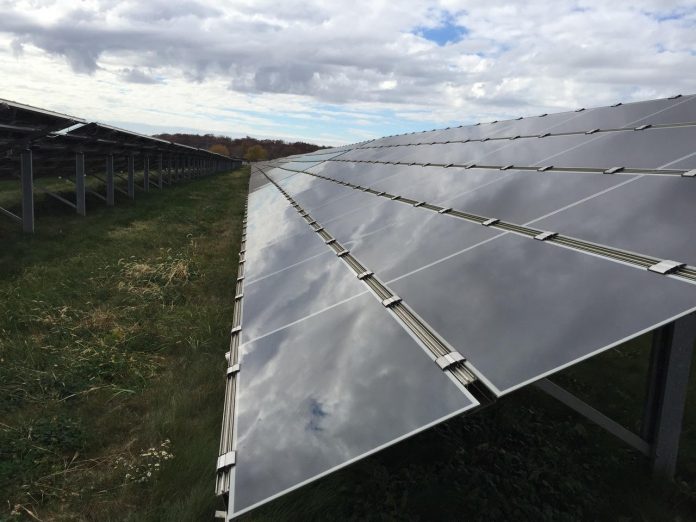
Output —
(332, 72)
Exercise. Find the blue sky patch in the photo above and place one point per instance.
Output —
(448, 31)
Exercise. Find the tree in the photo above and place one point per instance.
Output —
(219, 148)
(255, 153)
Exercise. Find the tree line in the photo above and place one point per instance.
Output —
(248, 148)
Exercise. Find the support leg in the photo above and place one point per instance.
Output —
(672, 350)
(146, 173)
(27, 177)
(131, 176)
(80, 200)
(110, 180)
(160, 175)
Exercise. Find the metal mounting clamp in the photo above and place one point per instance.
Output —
(391, 301)
(444, 210)
(642, 127)
(489, 222)
(666, 266)
(393, 198)
(613, 170)
(515, 137)
(343, 252)
(238, 296)
(329, 241)
(545, 235)
(544, 169)
(689, 174)
(470, 166)
(419, 204)
(674, 97)
(231, 370)
(380, 193)
(506, 167)
(544, 135)
(448, 165)
(226, 461)
(236, 329)
(447, 360)
(365, 274)
(592, 131)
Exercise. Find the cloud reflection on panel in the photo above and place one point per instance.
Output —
(288, 296)
(270, 217)
(319, 394)
(517, 308)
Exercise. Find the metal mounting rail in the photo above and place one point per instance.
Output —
(509, 137)
(621, 170)
(429, 338)
(685, 272)
(226, 454)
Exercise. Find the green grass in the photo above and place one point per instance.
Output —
(112, 334)
(113, 329)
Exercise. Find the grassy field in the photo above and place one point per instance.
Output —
(112, 331)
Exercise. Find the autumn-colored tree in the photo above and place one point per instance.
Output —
(219, 148)
(239, 146)
(255, 153)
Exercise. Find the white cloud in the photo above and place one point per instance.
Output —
(259, 67)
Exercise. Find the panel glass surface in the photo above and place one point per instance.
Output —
(629, 115)
(653, 215)
(290, 295)
(270, 218)
(363, 174)
(257, 180)
(356, 201)
(685, 163)
(648, 149)
(310, 191)
(324, 393)
(283, 253)
(436, 184)
(535, 125)
(518, 308)
(414, 241)
(525, 195)
(350, 226)
(523, 152)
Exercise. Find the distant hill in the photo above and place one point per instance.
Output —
(239, 147)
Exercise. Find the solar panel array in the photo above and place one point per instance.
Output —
(388, 285)
(55, 139)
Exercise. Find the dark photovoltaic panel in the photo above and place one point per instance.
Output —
(323, 392)
(517, 248)
(21, 124)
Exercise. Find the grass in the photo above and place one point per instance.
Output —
(112, 331)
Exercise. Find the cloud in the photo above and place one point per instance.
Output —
(446, 61)
(138, 76)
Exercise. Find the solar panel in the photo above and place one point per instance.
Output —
(322, 393)
(492, 250)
